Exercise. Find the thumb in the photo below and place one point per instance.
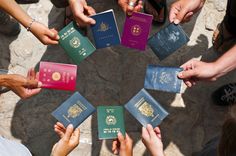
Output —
(69, 131)
(187, 74)
(180, 16)
(33, 84)
(120, 137)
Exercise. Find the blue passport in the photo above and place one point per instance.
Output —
(74, 110)
(167, 40)
(105, 31)
(146, 109)
(163, 78)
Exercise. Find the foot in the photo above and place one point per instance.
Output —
(8, 25)
(157, 10)
(225, 95)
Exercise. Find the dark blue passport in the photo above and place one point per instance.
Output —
(74, 110)
(163, 78)
(146, 109)
(168, 40)
(105, 31)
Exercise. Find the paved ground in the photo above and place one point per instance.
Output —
(112, 76)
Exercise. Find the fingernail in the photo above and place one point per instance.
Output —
(70, 126)
(180, 75)
(40, 84)
(176, 21)
(119, 133)
(52, 34)
(58, 37)
(129, 13)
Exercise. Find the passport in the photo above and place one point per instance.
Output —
(110, 121)
(136, 30)
(146, 109)
(105, 31)
(74, 110)
(58, 76)
(163, 78)
(76, 45)
(167, 40)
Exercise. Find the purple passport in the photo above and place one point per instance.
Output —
(136, 30)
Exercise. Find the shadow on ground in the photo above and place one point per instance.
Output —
(112, 76)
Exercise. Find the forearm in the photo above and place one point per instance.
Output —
(12, 8)
(3, 80)
(226, 62)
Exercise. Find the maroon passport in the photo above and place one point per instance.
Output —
(58, 76)
(136, 30)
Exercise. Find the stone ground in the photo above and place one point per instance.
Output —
(112, 76)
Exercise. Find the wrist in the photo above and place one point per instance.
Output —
(3, 80)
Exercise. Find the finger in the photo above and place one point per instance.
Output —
(51, 33)
(69, 131)
(187, 17)
(59, 133)
(128, 140)
(114, 146)
(180, 15)
(76, 135)
(150, 130)
(187, 74)
(174, 9)
(158, 132)
(31, 84)
(59, 128)
(47, 40)
(89, 10)
(120, 137)
(145, 134)
(188, 83)
(61, 125)
(33, 92)
(56, 36)
(84, 20)
(130, 8)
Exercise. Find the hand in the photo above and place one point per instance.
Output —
(81, 12)
(23, 87)
(129, 9)
(152, 140)
(183, 10)
(44, 34)
(123, 145)
(195, 70)
(69, 139)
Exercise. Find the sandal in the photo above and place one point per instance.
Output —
(222, 40)
(156, 9)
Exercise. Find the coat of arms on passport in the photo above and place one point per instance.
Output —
(74, 110)
(146, 109)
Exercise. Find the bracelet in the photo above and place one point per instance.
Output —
(28, 28)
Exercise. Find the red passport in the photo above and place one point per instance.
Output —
(58, 76)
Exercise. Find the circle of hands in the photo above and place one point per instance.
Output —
(193, 71)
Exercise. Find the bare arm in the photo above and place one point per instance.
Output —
(44, 34)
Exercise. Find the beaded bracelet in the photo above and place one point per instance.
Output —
(28, 28)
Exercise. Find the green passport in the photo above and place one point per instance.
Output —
(77, 46)
(110, 121)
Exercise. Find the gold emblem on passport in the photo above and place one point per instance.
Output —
(136, 30)
(56, 76)
(103, 27)
(74, 111)
(146, 109)
(75, 42)
(165, 78)
(110, 120)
